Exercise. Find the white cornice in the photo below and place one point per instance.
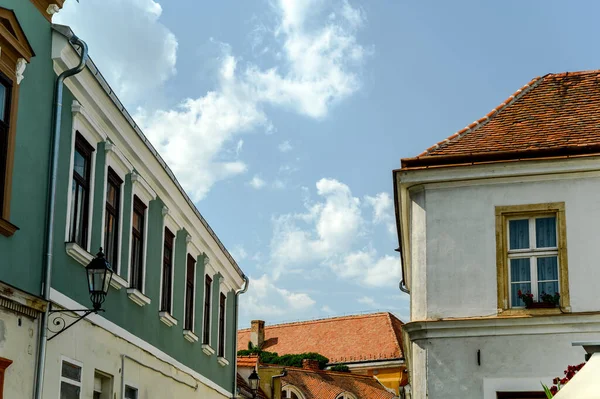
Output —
(142, 188)
(493, 326)
(79, 111)
(116, 158)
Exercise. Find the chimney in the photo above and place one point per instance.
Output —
(257, 333)
(310, 364)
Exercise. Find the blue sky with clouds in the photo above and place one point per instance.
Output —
(284, 118)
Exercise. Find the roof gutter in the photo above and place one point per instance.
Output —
(235, 325)
(397, 199)
(55, 134)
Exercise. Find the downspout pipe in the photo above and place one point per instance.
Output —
(283, 374)
(53, 172)
(235, 324)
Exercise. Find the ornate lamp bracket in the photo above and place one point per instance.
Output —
(57, 324)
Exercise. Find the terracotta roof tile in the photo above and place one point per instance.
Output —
(329, 384)
(346, 339)
(247, 361)
(553, 115)
(245, 388)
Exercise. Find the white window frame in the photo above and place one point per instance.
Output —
(191, 249)
(291, 388)
(345, 395)
(68, 380)
(210, 272)
(174, 226)
(89, 129)
(144, 192)
(532, 253)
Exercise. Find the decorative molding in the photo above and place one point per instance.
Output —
(45, 7)
(20, 69)
(52, 9)
(136, 296)
(79, 254)
(165, 210)
(208, 350)
(190, 336)
(78, 110)
(118, 282)
(116, 159)
(206, 259)
(143, 188)
(188, 239)
(222, 361)
(22, 298)
(166, 318)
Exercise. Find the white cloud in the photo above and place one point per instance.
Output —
(383, 212)
(327, 309)
(135, 52)
(327, 234)
(239, 253)
(317, 68)
(285, 146)
(366, 300)
(257, 182)
(265, 299)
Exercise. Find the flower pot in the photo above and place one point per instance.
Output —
(541, 305)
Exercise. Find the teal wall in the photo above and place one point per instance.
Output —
(21, 255)
(144, 322)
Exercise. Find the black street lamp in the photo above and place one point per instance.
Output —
(99, 274)
(254, 379)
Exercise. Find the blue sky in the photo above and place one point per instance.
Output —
(284, 119)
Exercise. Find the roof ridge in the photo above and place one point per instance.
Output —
(393, 331)
(322, 320)
(482, 121)
(341, 373)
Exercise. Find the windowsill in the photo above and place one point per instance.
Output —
(534, 312)
(190, 336)
(222, 361)
(79, 254)
(118, 282)
(136, 296)
(208, 350)
(7, 229)
(166, 318)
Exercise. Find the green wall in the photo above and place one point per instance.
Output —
(144, 322)
(21, 255)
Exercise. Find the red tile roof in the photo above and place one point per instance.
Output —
(556, 115)
(247, 361)
(329, 384)
(347, 339)
(245, 390)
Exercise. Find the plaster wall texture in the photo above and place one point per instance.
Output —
(99, 350)
(454, 252)
(508, 363)
(18, 343)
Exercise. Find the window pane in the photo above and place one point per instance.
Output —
(547, 268)
(71, 371)
(68, 391)
(545, 232)
(549, 287)
(131, 393)
(519, 233)
(79, 164)
(520, 270)
(3, 95)
(514, 294)
(111, 195)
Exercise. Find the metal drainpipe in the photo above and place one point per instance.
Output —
(283, 374)
(47, 267)
(235, 323)
(403, 288)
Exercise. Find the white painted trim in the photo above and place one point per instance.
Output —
(501, 326)
(68, 380)
(118, 282)
(208, 267)
(96, 319)
(140, 189)
(291, 388)
(188, 239)
(190, 336)
(224, 319)
(208, 350)
(169, 223)
(167, 319)
(136, 296)
(222, 361)
(210, 306)
(372, 364)
(79, 254)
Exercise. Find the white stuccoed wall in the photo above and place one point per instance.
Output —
(453, 275)
(460, 274)
(100, 350)
(18, 343)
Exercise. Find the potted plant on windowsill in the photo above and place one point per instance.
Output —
(547, 301)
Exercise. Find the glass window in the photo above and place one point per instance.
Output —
(167, 272)
(533, 257)
(137, 244)
(222, 300)
(111, 218)
(130, 392)
(70, 381)
(189, 293)
(80, 191)
(206, 323)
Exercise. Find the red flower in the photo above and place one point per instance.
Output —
(556, 380)
(553, 390)
(564, 381)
